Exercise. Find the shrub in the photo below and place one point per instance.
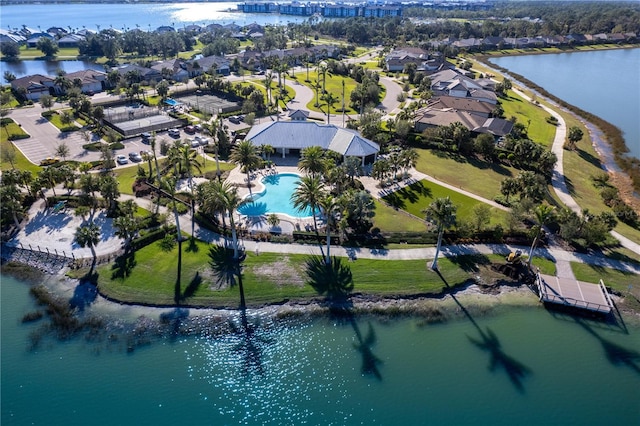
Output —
(116, 145)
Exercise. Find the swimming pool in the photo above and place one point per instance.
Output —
(275, 198)
(171, 102)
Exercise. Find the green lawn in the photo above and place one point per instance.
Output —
(33, 53)
(389, 219)
(334, 86)
(538, 129)
(55, 120)
(469, 174)
(418, 196)
(268, 278)
(127, 175)
(260, 85)
(21, 161)
(617, 280)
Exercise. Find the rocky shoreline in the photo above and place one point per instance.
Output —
(129, 327)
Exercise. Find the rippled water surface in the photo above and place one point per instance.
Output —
(516, 366)
(603, 82)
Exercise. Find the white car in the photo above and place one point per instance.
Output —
(174, 133)
(121, 159)
(135, 157)
(202, 140)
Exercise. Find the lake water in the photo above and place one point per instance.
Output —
(603, 82)
(146, 16)
(50, 68)
(520, 366)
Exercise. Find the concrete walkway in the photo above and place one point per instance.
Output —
(54, 231)
(558, 181)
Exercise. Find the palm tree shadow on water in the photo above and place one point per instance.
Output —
(335, 281)
(617, 355)
(489, 342)
(251, 343)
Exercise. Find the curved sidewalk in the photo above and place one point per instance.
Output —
(558, 181)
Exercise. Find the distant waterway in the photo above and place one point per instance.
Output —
(50, 68)
(603, 82)
(146, 16)
(512, 365)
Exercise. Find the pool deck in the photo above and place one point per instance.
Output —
(288, 224)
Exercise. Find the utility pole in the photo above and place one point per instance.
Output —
(343, 102)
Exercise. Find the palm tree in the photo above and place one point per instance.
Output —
(330, 99)
(312, 160)
(245, 154)
(328, 204)
(268, 80)
(169, 184)
(267, 150)
(218, 197)
(543, 213)
(214, 127)
(442, 212)
(88, 235)
(109, 190)
(212, 199)
(308, 194)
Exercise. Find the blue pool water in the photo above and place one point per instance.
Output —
(171, 102)
(276, 197)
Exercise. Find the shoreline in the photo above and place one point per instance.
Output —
(436, 308)
(607, 139)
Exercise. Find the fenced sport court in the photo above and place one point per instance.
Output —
(207, 103)
(135, 119)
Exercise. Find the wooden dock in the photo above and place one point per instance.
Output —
(571, 292)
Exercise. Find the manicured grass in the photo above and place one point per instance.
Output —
(55, 120)
(371, 65)
(418, 196)
(126, 176)
(472, 175)
(538, 129)
(389, 219)
(617, 280)
(579, 166)
(33, 53)
(546, 266)
(268, 278)
(334, 86)
(260, 85)
(21, 161)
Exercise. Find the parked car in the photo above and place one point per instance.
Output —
(190, 130)
(202, 140)
(121, 159)
(144, 153)
(174, 133)
(195, 143)
(234, 119)
(146, 136)
(135, 157)
(49, 161)
(198, 127)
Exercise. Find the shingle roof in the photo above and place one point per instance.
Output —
(303, 134)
